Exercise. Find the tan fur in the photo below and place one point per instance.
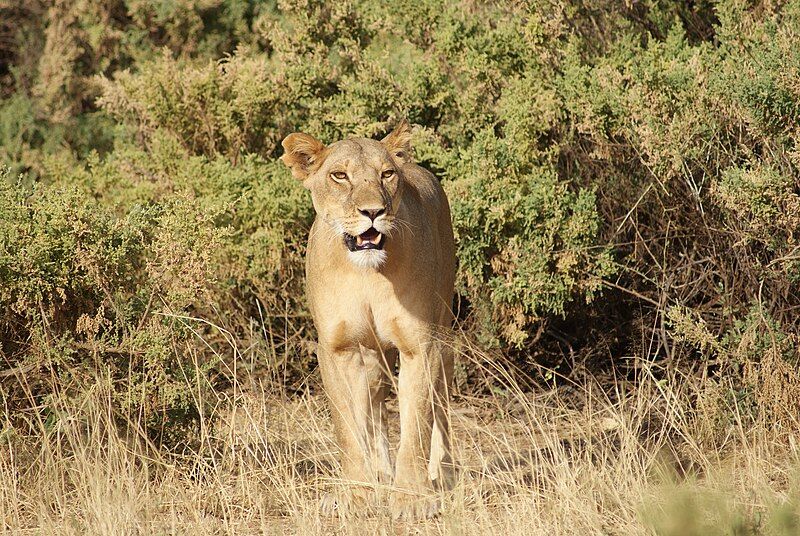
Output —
(369, 311)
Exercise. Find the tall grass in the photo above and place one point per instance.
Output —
(658, 453)
(625, 197)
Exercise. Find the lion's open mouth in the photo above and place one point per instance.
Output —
(369, 239)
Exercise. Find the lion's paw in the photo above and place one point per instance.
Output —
(346, 503)
(412, 507)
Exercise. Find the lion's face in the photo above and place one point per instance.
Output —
(355, 186)
(354, 191)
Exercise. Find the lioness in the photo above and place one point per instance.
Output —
(380, 268)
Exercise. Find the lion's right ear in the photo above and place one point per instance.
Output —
(301, 154)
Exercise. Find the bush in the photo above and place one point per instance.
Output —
(649, 148)
(122, 284)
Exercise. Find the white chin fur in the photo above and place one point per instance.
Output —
(370, 258)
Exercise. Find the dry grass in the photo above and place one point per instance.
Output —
(653, 455)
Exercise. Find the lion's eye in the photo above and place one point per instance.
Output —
(387, 174)
(339, 176)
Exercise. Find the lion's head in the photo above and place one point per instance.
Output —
(355, 186)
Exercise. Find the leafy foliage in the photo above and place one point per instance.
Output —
(649, 148)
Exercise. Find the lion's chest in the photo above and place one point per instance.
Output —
(367, 312)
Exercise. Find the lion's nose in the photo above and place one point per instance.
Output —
(372, 213)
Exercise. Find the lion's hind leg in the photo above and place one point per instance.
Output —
(441, 468)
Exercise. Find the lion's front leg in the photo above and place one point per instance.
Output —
(356, 383)
(421, 374)
(346, 385)
(379, 369)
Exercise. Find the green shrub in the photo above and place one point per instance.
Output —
(115, 285)
(314, 80)
(647, 147)
(78, 289)
(525, 241)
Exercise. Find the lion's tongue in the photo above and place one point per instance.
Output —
(371, 235)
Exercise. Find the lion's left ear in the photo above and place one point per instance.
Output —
(398, 142)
